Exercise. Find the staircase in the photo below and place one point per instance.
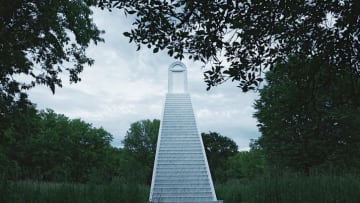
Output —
(181, 172)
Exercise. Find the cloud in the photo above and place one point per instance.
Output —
(124, 86)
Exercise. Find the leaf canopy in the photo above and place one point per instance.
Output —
(240, 39)
(40, 40)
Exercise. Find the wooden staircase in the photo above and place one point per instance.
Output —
(181, 172)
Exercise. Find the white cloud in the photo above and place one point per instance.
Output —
(124, 86)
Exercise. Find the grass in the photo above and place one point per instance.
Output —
(286, 188)
(32, 191)
(292, 188)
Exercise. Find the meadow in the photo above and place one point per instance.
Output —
(294, 188)
(267, 189)
(41, 192)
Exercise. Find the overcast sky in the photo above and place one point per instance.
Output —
(125, 85)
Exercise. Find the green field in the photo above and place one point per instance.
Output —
(292, 188)
(33, 191)
(286, 188)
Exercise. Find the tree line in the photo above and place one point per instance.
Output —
(46, 146)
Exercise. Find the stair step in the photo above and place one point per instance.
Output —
(180, 139)
(164, 151)
(183, 168)
(187, 194)
(181, 161)
(182, 178)
(187, 180)
(180, 135)
(169, 173)
(175, 152)
(180, 146)
(181, 172)
(180, 166)
(180, 157)
(178, 152)
(166, 190)
(182, 187)
(170, 124)
(167, 199)
(182, 182)
(185, 175)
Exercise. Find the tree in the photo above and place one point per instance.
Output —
(140, 144)
(246, 164)
(68, 149)
(142, 136)
(242, 38)
(47, 146)
(18, 127)
(308, 115)
(41, 39)
(218, 150)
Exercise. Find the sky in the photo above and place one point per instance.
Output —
(125, 86)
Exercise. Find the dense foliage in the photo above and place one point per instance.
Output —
(82, 166)
(242, 38)
(142, 136)
(48, 146)
(218, 150)
(309, 115)
(140, 141)
(39, 40)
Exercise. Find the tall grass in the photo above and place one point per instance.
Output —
(32, 191)
(292, 188)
